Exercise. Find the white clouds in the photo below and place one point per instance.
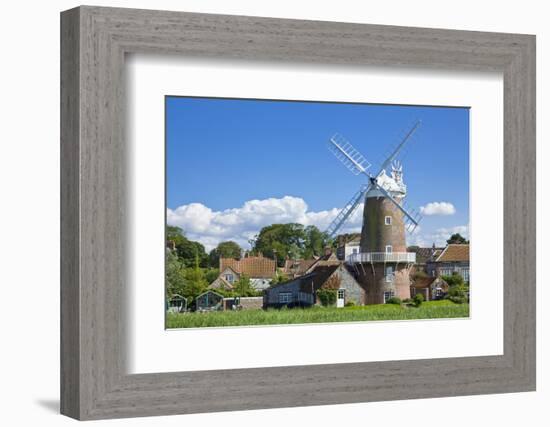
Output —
(438, 208)
(241, 224)
(439, 237)
(209, 227)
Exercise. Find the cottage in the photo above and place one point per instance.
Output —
(431, 288)
(302, 291)
(455, 258)
(209, 301)
(348, 244)
(226, 280)
(258, 269)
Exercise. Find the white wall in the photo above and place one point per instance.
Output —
(29, 234)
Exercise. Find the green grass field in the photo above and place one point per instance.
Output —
(428, 310)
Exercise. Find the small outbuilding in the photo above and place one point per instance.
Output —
(177, 304)
(209, 301)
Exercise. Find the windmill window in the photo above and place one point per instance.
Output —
(389, 274)
(387, 220)
(388, 295)
(389, 249)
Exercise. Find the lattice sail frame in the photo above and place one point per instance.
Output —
(357, 164)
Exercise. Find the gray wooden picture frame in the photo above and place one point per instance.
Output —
(94, 41)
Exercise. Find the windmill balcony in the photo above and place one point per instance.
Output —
(408, 257)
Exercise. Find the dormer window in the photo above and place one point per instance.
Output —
(387, 220)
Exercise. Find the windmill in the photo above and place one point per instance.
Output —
(383, 262)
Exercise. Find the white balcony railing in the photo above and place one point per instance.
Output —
(409, 257)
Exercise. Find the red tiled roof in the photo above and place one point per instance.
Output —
(253, 267)
(299, 266)
(425, 282)
(455, 253)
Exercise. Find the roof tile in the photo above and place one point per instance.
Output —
(253, 267)
(455, 253)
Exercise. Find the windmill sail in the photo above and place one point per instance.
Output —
(346, 212)
(348, 155)
(398, 148)
(358, 164)
(411, 218)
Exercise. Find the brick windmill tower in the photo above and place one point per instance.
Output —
(383, 263)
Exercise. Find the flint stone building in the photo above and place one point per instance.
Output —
(302, 291)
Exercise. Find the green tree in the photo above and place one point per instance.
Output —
(186, 249)
(228, 249)
(315, 242)
(290, 240)
(195, 282)
(281, 241)
(243, 287)
(174, 234)
(279, 277)
(457, 239)
(175, 275)
(454, 280)
(211, 274)
(458, 290)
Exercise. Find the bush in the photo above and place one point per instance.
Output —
(350, 303)
(418, 299)
(458, 293)
(393, 300)
(454, 280)
(327, 297)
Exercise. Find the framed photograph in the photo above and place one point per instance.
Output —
(291, 213)
(274, 252)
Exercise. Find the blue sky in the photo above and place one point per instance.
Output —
(234, 165)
